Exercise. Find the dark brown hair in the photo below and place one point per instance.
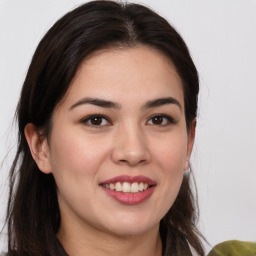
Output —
(33, 214)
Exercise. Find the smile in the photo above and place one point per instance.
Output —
(127, 187)
(129, 190)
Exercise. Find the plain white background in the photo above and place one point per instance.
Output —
(221, 36)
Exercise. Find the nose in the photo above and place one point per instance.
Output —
(130, 148)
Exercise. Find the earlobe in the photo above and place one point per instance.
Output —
(38, 147)
(187, 165)
(191, 138)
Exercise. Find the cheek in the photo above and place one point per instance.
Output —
(171, 154)
(75, 162)
(74, 156)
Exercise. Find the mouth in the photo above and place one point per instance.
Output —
(129, 190)
(127, 187)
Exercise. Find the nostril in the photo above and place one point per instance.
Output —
(132, 162)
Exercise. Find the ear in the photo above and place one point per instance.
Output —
(191, 138)
(39, 148)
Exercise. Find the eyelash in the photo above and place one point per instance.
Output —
(88, 119)
(168, 120)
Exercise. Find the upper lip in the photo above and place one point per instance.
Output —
(130, 179)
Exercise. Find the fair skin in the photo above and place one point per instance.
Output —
(139, 131)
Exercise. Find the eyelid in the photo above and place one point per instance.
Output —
(169, 118)
(89, 117)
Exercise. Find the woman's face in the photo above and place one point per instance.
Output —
(120, 128)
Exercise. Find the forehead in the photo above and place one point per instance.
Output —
(137, 72)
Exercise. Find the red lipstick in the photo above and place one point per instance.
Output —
(129, 198)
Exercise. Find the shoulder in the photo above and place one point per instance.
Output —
(234, 248)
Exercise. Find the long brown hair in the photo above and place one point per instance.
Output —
(33, 214)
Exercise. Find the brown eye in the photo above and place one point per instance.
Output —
(157, 120)
(96, 120)
(161, 120)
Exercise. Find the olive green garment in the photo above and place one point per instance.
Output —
(234, 248)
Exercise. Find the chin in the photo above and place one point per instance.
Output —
(131, 225)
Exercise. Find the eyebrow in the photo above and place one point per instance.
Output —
(162, 101)
(97, 102)
(110, 104)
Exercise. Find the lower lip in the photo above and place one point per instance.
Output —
(130, 198)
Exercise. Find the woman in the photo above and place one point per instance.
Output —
(107, 119)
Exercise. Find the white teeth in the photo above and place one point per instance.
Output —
(118, 186)
(141, 186)
(127, 187)
(135, 187)
(145, 186)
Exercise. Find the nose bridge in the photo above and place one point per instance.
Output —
(130, 145)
